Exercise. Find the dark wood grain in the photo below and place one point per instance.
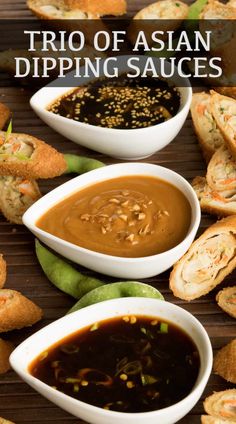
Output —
(18, 402)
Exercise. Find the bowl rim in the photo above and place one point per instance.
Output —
(204, 369)
(62, 119)
(194, 203)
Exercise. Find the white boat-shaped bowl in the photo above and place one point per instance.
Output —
(121, 267)
(24, 354)
(132, 144)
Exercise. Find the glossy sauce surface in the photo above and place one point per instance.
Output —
(132, 216)
(129, 364)
(121, 103)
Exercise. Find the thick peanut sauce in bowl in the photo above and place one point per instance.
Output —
(128, 221)
(132, 216)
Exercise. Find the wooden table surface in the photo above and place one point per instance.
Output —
(18, 402)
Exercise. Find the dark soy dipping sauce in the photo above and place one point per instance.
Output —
(128, 364)
(122, 103)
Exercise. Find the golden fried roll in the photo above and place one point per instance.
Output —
(100, 8)
(3, 271)
(58, 9)
(71, 16)
(218, 17)
(226, 299)
(224, 111)
(222, 405)
(208, 134)
(221, 171)
(6, 349)
(16, 196)
(232, 3)
(163, 15)
(209, 419)
(219, 203)
(16, 311)
(28, 157)
(227, 91)
(207, 262)
(4, 115)
(225, 363)
(3, 421)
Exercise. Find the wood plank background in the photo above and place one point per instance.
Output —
(18, 402)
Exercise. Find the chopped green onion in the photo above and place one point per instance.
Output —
(43, 355)
(20, 156)
(132, 368)
(72, 380)
(143, 330)
(148, 379)
(164, 327)
(94, 327)
(9, 130)
(76, 388)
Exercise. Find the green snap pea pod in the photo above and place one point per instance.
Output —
(63, 275)
(80, 164)
(191, 23)
(116, 290)
(196, 8)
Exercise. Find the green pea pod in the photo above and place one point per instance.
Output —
(196, 8)
(80, 165)
(191, 23)
(63, 275)
(117, 290)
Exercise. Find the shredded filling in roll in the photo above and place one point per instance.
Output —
(209, 259)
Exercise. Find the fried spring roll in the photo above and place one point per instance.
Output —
(6, 349)
(208, 134)
(226, 299)
(59, 9)
(28, 157)
(227, 91)
(208, 261)
(4, 115)
(169, 14)
(224, 111)
(3, 271)
(221, 171)
(222, 405)
(16, 311)
(219, 203)
(3, 421)
(16, 196)
(209, 419)
(100, 8)
(225, 363)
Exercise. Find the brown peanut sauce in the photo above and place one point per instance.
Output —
(132, 216)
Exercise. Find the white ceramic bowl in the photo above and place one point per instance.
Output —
(131, 268)
(123, 144)
(43, 339)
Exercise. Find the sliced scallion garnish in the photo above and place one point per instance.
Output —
(164, 327)
(8, 131)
